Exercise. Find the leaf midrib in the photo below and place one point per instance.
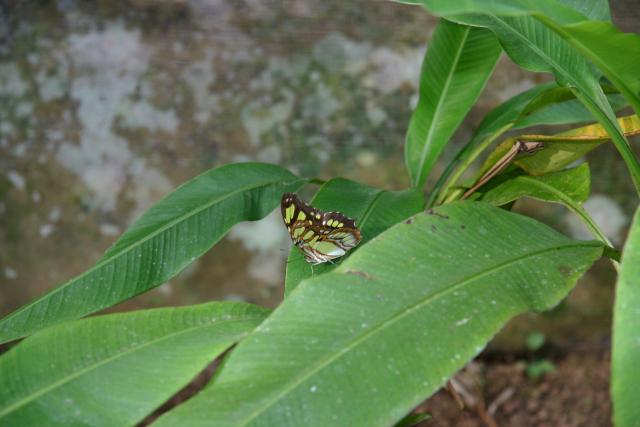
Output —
(565, 32)
(369, 209)
(69, 378)
(127, 250)
(443, 93)
(583, 91)
(306, 375)
(194, 212)
(534, 47)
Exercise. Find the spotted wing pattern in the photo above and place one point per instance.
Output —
(321, 236)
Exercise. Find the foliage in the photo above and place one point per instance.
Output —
(364, 340)
(626, 328)
(415, 321)
(375, 208)
(456, 67)
(116, 369)
(161, 243)
(538, 368)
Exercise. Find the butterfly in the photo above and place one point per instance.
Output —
(321, 236)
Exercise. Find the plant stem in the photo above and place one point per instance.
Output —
(467, 155)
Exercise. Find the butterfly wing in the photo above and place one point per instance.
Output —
(341, 229)
(346, 238)
(297, 216)
(321, 236)
(289, 207)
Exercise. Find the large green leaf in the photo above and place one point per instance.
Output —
(374, 209)
(532, 39)
(114, 370)
(616, 54)
(456, 67)
(625, 358)
(365, 343)
(570, 187)
(161, 243)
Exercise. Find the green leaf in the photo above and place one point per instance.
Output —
(535, 341)
(374, 209)
(454, 8)
(367, 342)
(565, 109)
(561, 149)
(456, 67)
(570, 187)
(115, 369)
(161, 243)
(616, 54)
(495, 123)
(538, 368)
(625, 358)
(534, 41)
(542, 104)
(517, 108)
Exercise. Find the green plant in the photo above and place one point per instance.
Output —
(537, 366)
(535, 341)
(363, 341)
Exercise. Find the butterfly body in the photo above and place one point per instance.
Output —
(321, 236)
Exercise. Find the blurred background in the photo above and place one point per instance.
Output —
(106, 106)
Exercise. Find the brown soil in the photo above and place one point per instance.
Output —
(575, 394)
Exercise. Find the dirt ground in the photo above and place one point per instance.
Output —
(575, 394)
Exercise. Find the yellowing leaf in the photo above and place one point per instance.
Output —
(561, 149)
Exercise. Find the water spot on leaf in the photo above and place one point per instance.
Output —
(462, 321)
